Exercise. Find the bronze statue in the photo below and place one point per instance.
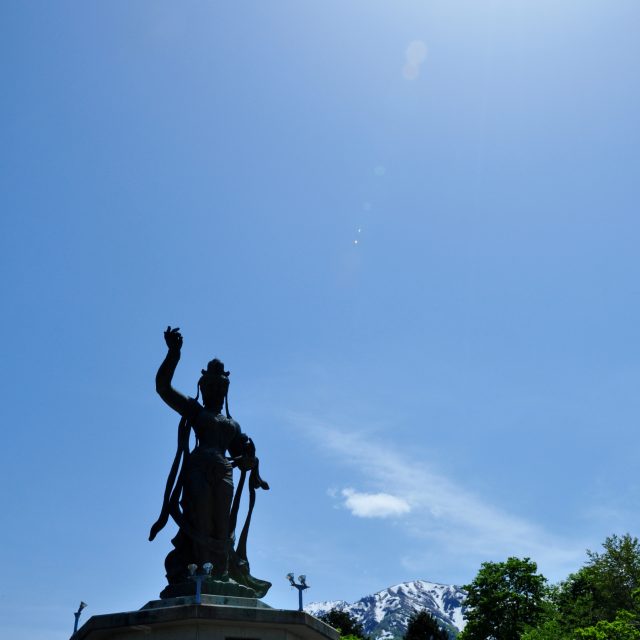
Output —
(199, 493)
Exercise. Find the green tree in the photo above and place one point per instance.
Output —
(423, 626)
(603, 586)
(549, 627)
(601, 601)
(624, 627)
(615, 575)
(504, 599)
(345, 623)
(548, 630)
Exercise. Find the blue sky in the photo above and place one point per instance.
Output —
(458, 385)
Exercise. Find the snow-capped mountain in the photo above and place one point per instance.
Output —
(384, 615)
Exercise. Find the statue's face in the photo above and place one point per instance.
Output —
(212, 394)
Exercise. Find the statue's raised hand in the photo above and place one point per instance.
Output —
(173, 338)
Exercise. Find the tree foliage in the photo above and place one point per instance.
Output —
(623, 627)
(601, 601)
(503, 599)
(548, 630)
(612, 576)
(423, 626)
(345, 623)
(592, 598)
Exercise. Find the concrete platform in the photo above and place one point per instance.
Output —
(216, 618)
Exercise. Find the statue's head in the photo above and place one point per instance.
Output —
(214, 384)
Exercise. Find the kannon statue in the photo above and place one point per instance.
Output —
(199, 494)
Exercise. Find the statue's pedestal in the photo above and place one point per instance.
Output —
(216, 618)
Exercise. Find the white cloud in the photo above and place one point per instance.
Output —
(374, 505)
(446, 515)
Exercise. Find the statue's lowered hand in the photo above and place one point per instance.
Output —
(244, 462)
(173, 338)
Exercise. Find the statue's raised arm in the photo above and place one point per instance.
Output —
(176, 400)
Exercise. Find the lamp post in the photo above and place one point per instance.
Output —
(198, 578)
(300, 587)
(77, 615)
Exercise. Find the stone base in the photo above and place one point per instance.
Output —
(216, 618)
(229, 601)
(209, 586)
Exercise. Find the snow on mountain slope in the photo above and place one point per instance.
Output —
(385, 614)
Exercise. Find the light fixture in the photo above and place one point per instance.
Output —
(197, 578)
(300, 587)
(77, 615)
